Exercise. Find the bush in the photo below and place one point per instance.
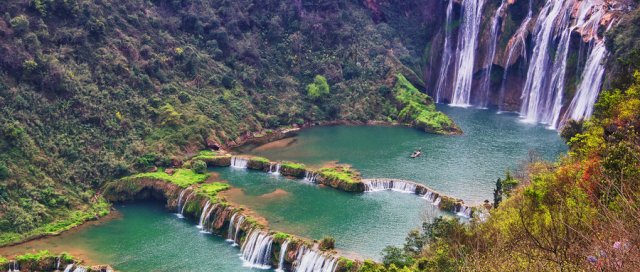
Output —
(199, 167)
(319, 88)
(4, 171)
(327, 243)
(20, 23)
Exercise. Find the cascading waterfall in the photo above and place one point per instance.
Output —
(256, 251)
(310, 177)
(180, 197)
(68, 268)
(376, 185)
(274, 169)
(14, 267)
(464, 211)
(312, 261)
(437, 201)
(234, 228)
(181, 215)
(446, 54)
(204, 213)
(536, 97)
(283, 252)
(466, 52)
(485, 84)
(80, 269)
(519, 38)
(237, 162)
(57, 263)
(581, 106)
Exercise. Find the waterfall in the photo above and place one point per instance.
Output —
(485, 84)
(446, 54)
(518, 38)
(431, 197)
(80, 269)
(57, 263)
(375, 185)
(234, 228)
(179, 207)
(466, 51)
(537, 95)
(312, 261)
(283, 252)
(310, 177)
(186, 201)
(256, 250)
(581, 106)
(205, 223)
(274, 169)
(239, 162)
(68, 268)
(464, 211)
(557, 79)
(14, 267)
(437, 201)
(203, 214)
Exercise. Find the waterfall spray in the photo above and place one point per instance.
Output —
(485, 84)
(283, 252)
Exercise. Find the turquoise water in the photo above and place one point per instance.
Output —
(145, 238)
(464, 166)
(148, 238)
(362, 224)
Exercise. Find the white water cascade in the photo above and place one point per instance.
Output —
(310, 177)
(68, 268)
(312, 261)
(446, 54)
(581, 106)
(466, 52)
(464, 211)
(437, 201)
(234, 228)
(517, 41)
(538, 95)
(485, 83)
(237, 162)
(375, 185)
(205, 210)
(274, 169)
(283, 252)
(186, 200)
(256, 250)
(180, 206)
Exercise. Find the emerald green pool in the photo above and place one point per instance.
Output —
(464, 166)
(149, 238)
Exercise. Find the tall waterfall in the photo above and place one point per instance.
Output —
(237, 162)
(466, 51)
(256, 250)
(446, 54)
(485, 84)
(537, 95)
(312, 261)
(375, 185)
(283, 252)
(582, 104)
(518, 39)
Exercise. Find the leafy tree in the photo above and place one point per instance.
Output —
(327, 243)
(4, 171)
(199, 167)
(396, 256)
(20, 23)
(319, 88)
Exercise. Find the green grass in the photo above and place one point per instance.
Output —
(281, 236)
(3, 260)
(205, 154)
(260, 159)
(293, 165)
(212, 189)
(181, 177)
(341, 173)
(75, 218)
(419, 108)
(34, 257)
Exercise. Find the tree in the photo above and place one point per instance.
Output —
(199, 167)
(319, 88)
(396, 256)
(4, 171)
(327, 243)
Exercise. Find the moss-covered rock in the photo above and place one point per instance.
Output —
(259, 163)
(341, 177)
(217, 161)
(290, 169)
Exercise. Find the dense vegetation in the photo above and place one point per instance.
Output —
(580, 213)
(96, 90)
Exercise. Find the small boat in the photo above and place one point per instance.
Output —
(416, 154)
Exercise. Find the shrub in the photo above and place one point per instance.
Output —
(199, 167)
(4, 171)
(20, 23)
(319, 88)
(327, 243)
